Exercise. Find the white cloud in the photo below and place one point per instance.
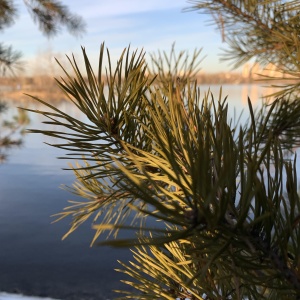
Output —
(148, 24)
(123, 7)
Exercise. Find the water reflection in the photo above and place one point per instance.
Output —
(11, 131)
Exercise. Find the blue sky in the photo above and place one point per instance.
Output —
(148, 24)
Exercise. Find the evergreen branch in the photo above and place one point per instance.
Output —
(159, 151)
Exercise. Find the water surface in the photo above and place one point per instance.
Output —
(33, 258)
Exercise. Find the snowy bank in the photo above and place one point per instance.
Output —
(6, 296)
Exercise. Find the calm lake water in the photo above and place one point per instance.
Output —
(33, 258)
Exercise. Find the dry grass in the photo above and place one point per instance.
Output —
(54, 95)
(44, 87)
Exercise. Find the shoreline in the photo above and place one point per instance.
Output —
(15, 296)
(55, 95)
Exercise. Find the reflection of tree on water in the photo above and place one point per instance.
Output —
(11, 131)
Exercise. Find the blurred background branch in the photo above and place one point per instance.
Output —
(50, 15)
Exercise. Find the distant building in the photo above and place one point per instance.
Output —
(256, 71)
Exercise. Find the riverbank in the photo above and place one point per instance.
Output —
(46, 88)
(49, 95)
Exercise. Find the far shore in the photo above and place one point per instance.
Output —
(26, 95)
(46, 88)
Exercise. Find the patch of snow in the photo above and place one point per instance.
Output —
(7, 296)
